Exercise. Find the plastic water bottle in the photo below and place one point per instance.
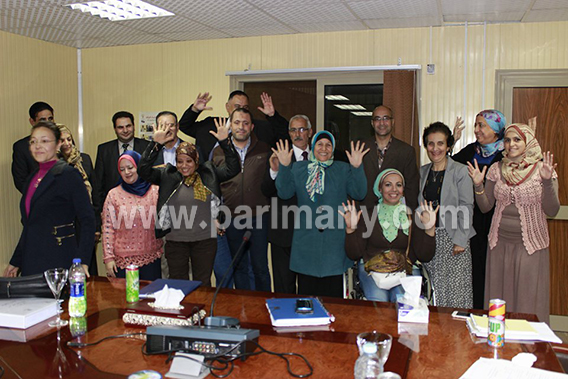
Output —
(368, 365)
(77, 298)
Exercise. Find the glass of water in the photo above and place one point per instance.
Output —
(383, 341)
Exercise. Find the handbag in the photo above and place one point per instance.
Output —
(387, 267)
(24, 286)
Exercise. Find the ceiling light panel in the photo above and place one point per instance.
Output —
(394, 8)
(350, 107)
(120, 10)
(336, 98)
(308, 13)
(365, 114)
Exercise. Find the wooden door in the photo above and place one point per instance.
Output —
(550, 105)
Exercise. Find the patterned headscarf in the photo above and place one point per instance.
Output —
(391, 217)
(316, 169)
(200, 192)
(496, 121)
(520, 169)
(140, 186)
(74, 159)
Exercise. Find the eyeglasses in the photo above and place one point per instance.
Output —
(384, 118)
(298, 130)
(42, 142)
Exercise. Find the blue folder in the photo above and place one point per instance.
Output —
(283, 313)
(187, 286)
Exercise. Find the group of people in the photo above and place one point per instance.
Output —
(475, 220)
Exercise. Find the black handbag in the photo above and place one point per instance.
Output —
(24, 286)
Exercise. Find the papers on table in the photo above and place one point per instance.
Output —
(25, 312)
(515, 330)
(283, 313)
(503, 369)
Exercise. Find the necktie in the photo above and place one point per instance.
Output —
(124, 147)
(305, 155)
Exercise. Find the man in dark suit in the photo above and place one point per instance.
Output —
(106, 166)
(270, 131)
(168, 152)
(389, 152)
(23, 163)
(279, 235)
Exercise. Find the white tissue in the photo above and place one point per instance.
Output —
(412, 287)
(524, 359)
(168, 298)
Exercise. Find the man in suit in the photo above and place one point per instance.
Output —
(23, 163)
(106, 166)
(270, 131)
(389, 152)
(280, 234)
(168, 152)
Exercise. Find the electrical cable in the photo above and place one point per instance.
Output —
(83, 344)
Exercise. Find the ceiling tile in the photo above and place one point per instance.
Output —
(45, 34)
(488, 17)
(135, 39)
(84, 43)
(394, 9)
(190, 8)
(550, 4)
(547, 15)
(284, 3)
(259, 31)
(11, 4)
(162, 24)
(8, 22)
(190, 35)
(231, 18)
(308, 13)
(328, 26)
(483, 6)
(414, 22)
(100, 28)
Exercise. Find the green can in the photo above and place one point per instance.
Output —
(132, 284)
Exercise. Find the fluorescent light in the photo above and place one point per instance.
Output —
(350, 107)
(362, 113)
(120, 10)
(336, 98)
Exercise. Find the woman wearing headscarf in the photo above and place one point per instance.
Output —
(524, 189)
(55, 207)
(189, 200)
(446, 183)
(128, 221)
(395, 234)
(321, 185)
(486, 150)
(83, 163)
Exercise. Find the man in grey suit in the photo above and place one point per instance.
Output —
(106, 166)
(389, 152)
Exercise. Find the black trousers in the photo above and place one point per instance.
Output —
(327, 286)
(284, 278)
(202, 255)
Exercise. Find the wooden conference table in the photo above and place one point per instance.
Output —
(445, 352)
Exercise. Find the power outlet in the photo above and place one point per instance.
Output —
(431, 69)
(399, 61)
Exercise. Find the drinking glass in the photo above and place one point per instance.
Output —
(56, 279)
(383, 342)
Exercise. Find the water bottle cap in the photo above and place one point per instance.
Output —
(77, 260)
(369, 348)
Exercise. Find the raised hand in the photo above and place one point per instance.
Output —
(350, 215)
(222, 126)
(267, 106)
(459, 126)
(476, 175)
(200, 104)
(283, 152)
(357, 154)
(548, 166)
(162, 134)
(428, 214)
(273, 161)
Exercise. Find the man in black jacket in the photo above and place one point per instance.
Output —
(281, 223)
(23, 163)
(106, 166)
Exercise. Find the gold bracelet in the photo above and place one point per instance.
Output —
(480, 192)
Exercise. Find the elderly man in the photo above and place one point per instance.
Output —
(280, 233)
(243, 193)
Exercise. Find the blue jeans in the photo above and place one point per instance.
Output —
(222, 263)
(374, 293)
(258, 253)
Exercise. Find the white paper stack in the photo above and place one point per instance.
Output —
(515, 330)
(23, 313)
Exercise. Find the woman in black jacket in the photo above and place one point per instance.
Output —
(56, 211)
(188, 201)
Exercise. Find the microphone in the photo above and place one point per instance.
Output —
(225, 321)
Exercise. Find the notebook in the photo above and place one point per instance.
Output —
(187, 286)
(25, 312)
(283, 313)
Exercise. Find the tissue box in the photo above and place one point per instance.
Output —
(141, 314)
(409, 313)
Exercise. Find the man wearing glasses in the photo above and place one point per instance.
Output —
(389, 152)
(280, 237)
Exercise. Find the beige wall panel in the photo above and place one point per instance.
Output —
(30, 70)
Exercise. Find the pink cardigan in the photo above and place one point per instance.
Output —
(128, 228)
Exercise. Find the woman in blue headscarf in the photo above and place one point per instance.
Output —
(391, 234)
(486, 150)
(321, 186)
(128, 223)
